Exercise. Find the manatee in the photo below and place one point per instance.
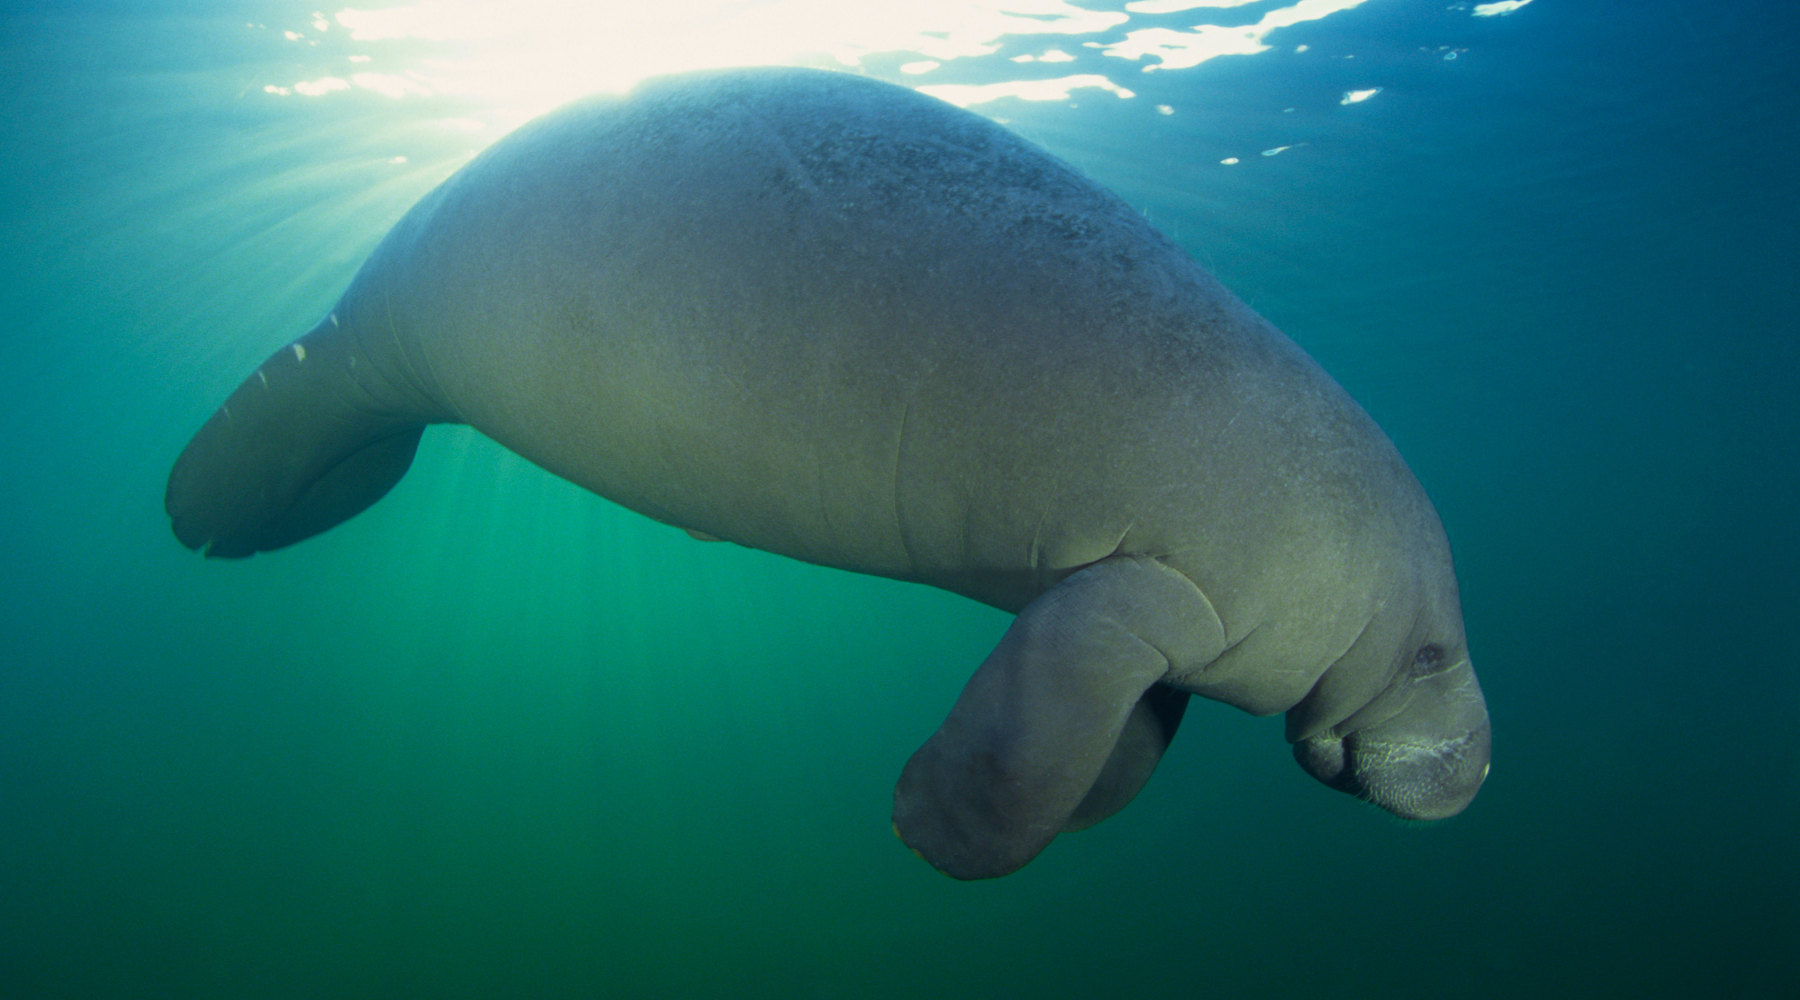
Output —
(845, 322)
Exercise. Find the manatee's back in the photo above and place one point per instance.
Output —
(810, 313)
(842, 321)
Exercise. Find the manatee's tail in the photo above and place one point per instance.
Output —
(299, 447)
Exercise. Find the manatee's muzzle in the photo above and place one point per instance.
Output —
(1426, 762)
(1409, 779)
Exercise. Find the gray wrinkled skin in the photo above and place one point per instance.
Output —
(847, 323)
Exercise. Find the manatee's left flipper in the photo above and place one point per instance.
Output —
(1037, 724)
(1139, 749)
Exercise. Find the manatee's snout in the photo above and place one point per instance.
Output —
(1425, 763)
(1410, 780)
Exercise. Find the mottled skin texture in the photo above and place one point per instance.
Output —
(844, 322)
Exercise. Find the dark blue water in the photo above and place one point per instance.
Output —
(499, 738)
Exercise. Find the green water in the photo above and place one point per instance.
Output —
(498, 738)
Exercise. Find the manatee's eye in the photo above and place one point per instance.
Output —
(1429, 660)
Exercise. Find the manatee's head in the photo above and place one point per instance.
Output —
(1418, 747)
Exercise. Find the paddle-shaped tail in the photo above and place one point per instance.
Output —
(302, 445)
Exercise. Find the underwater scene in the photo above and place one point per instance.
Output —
(495, 736)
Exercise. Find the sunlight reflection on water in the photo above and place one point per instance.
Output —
(523, 57)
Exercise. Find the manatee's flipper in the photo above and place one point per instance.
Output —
(1427, 755)
(1140, 747)
(1041, 721)
(299, 447)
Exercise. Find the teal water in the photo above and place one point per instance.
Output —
(498, 738)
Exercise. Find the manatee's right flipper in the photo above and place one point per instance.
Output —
(1040, 724)
(299, 447)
